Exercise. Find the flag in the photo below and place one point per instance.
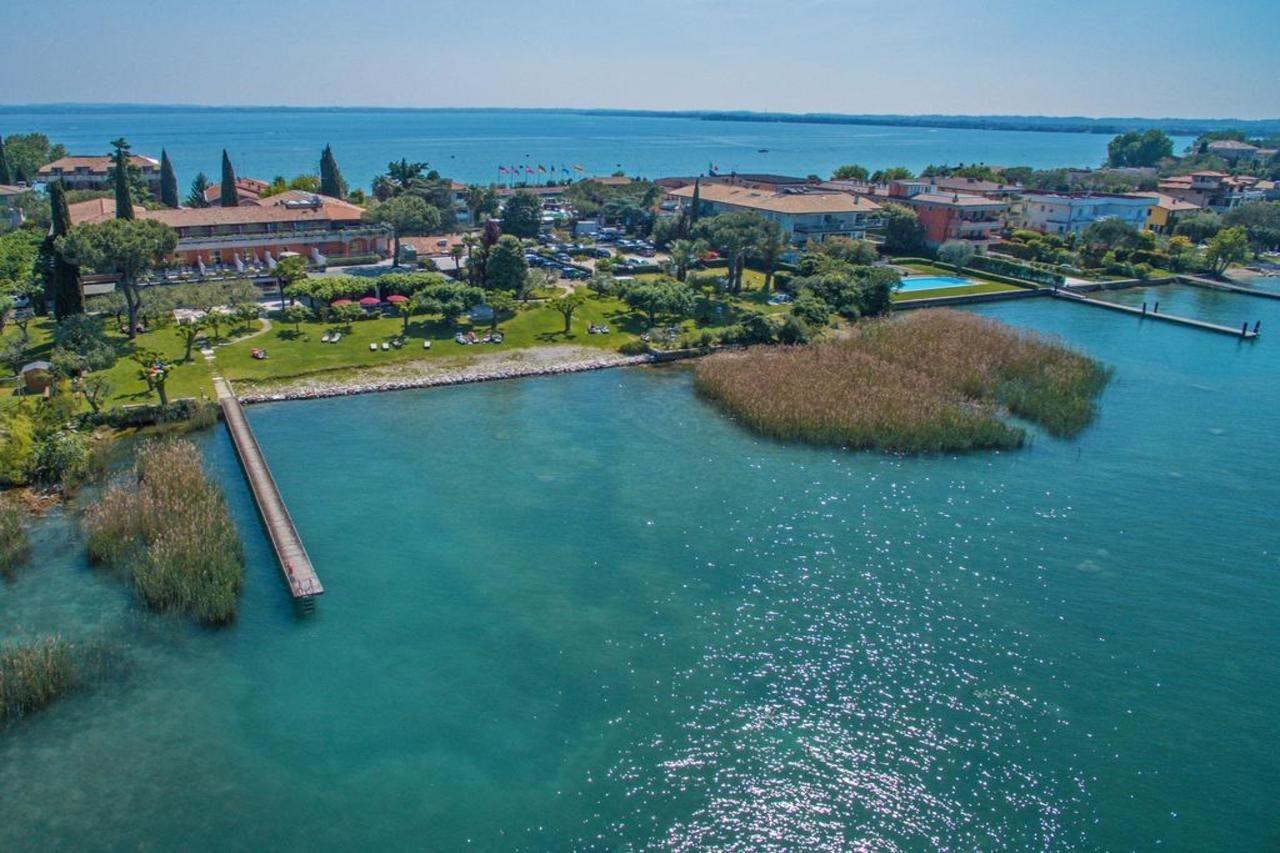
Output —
(502, 170)
(542, 170)
(564, 169)
(577, 167)
(528, 170)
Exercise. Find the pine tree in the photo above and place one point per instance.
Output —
(124, 201)
(196, 197)
(68, 299)
(5, 177)
(168, 181)
(331, 183)
(227, 195)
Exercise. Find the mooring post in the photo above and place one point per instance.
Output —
(1156, 310)
(1244, 329)
(1256, 326)
(1144, 308)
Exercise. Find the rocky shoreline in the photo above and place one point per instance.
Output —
(463, 376)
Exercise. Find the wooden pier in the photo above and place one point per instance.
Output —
(1242, 332)
(294, 562)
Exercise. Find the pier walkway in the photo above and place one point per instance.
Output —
(1243, 332)
(1213, 284)
(294, 562)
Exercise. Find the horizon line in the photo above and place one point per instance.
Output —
(623, 110)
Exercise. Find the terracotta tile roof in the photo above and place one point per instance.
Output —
(432, 246)
(9, 189)
(1231, 144)
(780, 202)
(98, 165)
(326, 210)
(1169, 203)
(973, 185)
(246, 188)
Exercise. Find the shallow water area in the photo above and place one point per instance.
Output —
(588, 611)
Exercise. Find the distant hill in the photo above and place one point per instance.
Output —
(1055, 124)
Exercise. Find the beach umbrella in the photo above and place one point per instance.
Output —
(369, 301)
(395, 297)
(335, 303)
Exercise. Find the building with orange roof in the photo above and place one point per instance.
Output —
(256, 234)
(1166, 211)
(89, 172)
(247, 190)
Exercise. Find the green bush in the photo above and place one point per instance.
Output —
(633, 348)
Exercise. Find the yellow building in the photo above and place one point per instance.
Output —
(1164, 214)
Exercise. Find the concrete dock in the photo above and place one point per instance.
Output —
(1212, 284)
(1242, 332)
(295, 564)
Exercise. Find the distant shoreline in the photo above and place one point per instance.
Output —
(1024, 123)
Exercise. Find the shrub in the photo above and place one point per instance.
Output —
(929, 382)
(633, 347)
(33, 674)
(15, 549)
(170, 529)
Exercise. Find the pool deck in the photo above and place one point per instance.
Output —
(1243, 332)
(295, 564)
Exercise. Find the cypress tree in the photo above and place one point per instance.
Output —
(68, 299)
(5, 177)
(695, 201)
(124, 202)
(331, 183)
(168, 181)
(227, 195)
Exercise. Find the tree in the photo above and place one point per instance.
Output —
(566, 305)
(153, 370)
(456, 251)
(903, 233)
(505, 268)
(811, 309)
(347, 314)
(406, 310)
(406, 214)
(957, 253)
(850, 172)
(187, 332)
(685, 254)
(331, 182)
(1261, 220)
(129, 247)
(289, 270)
(124, 199)
(1136, 148)
(168, 181)
(1199, 227)
(769, 247)
(227, 195)
(448, 299)
(1229, 246)
(500, 302)
(82, 338)
(6, 177)
(522, 216)
(660, 297)
(64, 276)
(199, 184)
(475, 198)
(402, 175)
(94, 390)
(894, 173)
(733, 235)
(296, 314)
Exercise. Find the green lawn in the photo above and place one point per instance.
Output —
(292, 353)
(187, 379)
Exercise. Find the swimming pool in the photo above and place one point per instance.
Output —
(933, 282)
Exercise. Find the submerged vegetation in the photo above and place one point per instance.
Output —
(934, 381)
(170, 529)
(33, 674)
(14, 547)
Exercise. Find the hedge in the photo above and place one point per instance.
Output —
(1012, 269)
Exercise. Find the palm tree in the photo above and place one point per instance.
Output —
(770, 246)
(685, 254)
(474, 198)
(404, 173)
(456, 250)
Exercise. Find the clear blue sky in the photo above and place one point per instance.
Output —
(1060, 57)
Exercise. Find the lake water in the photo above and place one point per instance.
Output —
(590, 612)
(470, 145)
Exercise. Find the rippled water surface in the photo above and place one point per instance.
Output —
(589, 612)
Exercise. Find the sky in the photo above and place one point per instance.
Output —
(1184, 58)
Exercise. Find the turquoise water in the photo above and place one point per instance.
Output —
(469, 146)
(589, 612)
(932, 282)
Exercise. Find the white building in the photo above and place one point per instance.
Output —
(802, 214)
(1071, 213)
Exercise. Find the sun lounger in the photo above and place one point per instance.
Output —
(385, 346)
(372, 347)
(325, 339)
(337, 336)
(426, 344)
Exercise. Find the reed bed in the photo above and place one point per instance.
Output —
(15, 548)
(33, 674)
(933, 381)
(169, 528)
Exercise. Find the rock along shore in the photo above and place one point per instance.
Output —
(461, 376)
